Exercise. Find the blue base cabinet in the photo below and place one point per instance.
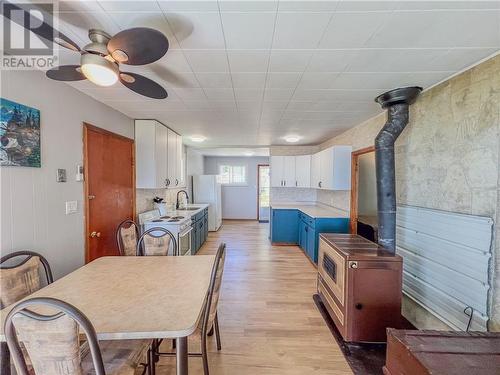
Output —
(199, 233)
(289, 226)
(284, 226)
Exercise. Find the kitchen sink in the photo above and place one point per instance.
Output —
(189, 209)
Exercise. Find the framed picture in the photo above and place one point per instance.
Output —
(19, 135)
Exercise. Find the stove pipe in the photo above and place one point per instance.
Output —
(397, 102)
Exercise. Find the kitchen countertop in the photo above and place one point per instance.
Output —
(314, 210)
(188, 213)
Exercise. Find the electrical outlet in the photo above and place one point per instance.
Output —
(71, 207)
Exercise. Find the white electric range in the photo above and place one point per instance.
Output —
(178, 225)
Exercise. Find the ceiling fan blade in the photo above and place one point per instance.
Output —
(138, 46)
(143, 85)
(66, 73)
(44, 30)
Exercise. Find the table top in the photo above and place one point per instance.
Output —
(136, 297)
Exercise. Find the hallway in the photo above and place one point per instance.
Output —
(269, 322)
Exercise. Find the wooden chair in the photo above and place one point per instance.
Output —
(127, 235)
(156, 242)
(19, 277)
(209, 320)
(52, 342)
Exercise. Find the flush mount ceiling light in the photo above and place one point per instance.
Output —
(99, 70)
(248, 153)
(292, 138)
(198, 138)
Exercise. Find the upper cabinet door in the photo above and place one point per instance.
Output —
(316, 170)
(303, 171)
(161, 155)
(172, 159)
(145, 154)
(277, 169)
(289, 171)
(180, 162)
(326, 157)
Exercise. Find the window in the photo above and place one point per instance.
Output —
(233, 174)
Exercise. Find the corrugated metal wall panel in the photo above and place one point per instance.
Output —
(446, 262)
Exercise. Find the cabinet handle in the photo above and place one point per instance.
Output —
(296, 183)
(176, 182)
(319, 184)
(284, 182)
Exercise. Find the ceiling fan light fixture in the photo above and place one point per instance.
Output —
(119, 55)
(198, 138)
(99, 70)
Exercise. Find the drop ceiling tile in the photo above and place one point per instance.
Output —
(434, 5)
(439, 29)
(395, 60)
(278, 94)
(214, 80)
(459, 59)
(282, 80)
(223, 104)
(367, 6)
(174, 60)
(248, 30)
(197, 30)
(193, 6)
(219, 94)
(248, 61)
(352, 30)
(317, 81)
(130, 6)
(289, 61)
(207, 61)
(197, 105)
(288, 36)
(248, 6)
(191, 94)
(249, 80)
(275, 105)
(296, 105)
(177, 80)
(332, 61)
(248, 95)
(385, 81)
(79, 6)
(80, 23)
(307, 6)
(271, 116)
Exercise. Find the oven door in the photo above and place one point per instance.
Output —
(184, 241)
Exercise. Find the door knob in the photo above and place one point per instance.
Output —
(95, 234)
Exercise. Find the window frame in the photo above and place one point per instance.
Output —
(232, 165)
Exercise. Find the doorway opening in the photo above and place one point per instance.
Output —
(109, 187)
(263, 193)
(364, 194)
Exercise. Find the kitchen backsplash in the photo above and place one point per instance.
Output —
(279, 194)
(144, 198)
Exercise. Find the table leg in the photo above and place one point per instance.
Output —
(182, 355)
(4, 359)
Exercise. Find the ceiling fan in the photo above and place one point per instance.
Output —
(101, 59)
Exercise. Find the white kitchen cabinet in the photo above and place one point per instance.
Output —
(283, 171)
(158, 164)
(331, 168)
(303, 171)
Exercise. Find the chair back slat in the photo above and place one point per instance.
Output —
(20, 279)
(213, 293)
(127, 235)
(156, 242)
(51, 341)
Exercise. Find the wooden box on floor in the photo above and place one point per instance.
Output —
(438, 352)
(360, 284)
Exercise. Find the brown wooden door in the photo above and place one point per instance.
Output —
(109, 188)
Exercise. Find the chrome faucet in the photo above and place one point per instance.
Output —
(187, 198)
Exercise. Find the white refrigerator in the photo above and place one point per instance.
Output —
(207, 190)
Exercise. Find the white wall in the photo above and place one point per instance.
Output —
(238, 202)
(367, 185)
(32, 202)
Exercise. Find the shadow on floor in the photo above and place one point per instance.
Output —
(364, 359)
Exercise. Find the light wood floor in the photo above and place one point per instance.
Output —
(269, 322)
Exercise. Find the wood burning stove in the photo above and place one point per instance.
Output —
(359, 283)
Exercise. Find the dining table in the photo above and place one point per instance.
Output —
(156, 297)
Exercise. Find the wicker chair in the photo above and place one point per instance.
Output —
(19, 277)
(127, 235)
(52, 342)
(209, 321)
(156, 242)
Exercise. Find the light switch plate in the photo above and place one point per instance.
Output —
(71, 207)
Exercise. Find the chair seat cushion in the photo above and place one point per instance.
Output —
(120, 357)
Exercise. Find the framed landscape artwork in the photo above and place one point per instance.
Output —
(19, 135)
